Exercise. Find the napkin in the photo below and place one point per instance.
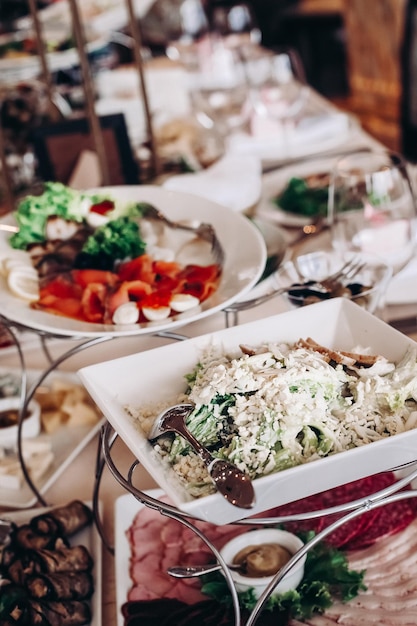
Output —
(402, 288)
(234, 181)
(269, 139)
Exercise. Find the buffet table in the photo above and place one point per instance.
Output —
(77, 481)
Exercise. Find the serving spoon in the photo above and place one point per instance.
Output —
(194, 571)
(233, 484)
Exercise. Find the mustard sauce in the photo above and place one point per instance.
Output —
(265, 559)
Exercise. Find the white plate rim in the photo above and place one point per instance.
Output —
(275, 182)
(245, 267)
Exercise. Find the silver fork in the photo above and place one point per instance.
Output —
(348, 271)
(203, 230)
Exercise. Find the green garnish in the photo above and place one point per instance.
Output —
(117, 240)
(301, 199)
(33, 211)
(327, 578)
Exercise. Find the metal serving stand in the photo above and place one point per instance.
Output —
(27, 393)
(349, 511)
(108, 437)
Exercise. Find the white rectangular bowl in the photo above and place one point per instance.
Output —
(158, 375)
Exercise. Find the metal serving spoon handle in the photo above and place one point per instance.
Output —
(193, 571)
(233, 484)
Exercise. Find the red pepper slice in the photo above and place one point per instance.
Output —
(102, 207)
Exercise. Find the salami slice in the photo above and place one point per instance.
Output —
(365, 528)
(390, 519)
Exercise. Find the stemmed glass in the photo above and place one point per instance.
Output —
(372, 208)
(234, 22)
(218, 88)
(190, 27)
(279, 92)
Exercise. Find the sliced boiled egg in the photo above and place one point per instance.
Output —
(156, 314)
(24, 283)
(95, 220)
(12, 260)
(181, 302)
(10, 264)
(126, 313)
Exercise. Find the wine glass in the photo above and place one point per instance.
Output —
(279, 92)
(218, 88)
(234, 22)
(372, 208)
(190, 26)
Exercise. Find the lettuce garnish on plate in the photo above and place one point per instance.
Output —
(327, 578)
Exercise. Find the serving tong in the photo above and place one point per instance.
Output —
(233, 484)
(203, 230)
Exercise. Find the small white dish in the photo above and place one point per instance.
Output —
(9, 408)
(366, 288)
(286, 540)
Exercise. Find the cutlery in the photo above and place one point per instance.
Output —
(314, 157)
(325, 286)
(202, 230)
(233, 484)
(193, 571)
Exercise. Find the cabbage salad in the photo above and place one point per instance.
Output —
(282, 405)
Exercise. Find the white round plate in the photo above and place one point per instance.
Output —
(274, 184)
(28, 67)
(245, 258)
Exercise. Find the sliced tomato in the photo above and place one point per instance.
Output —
(200, 281)
(87, 277)
(166, 268)
(115, 297)
(93, 302)
(67, 307)
(157, 299)
(168, 283)
(62, 286)
(140, 268)
(138, 289)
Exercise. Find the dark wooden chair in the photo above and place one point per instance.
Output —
(374, 39)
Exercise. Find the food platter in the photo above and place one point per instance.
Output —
(98, 17)
(65, 443)
(87, 537)
(336, 323)
(126, 507)
(101, 15)
(26, 67)
(245, 258)
(389, 577)
(276, 182)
